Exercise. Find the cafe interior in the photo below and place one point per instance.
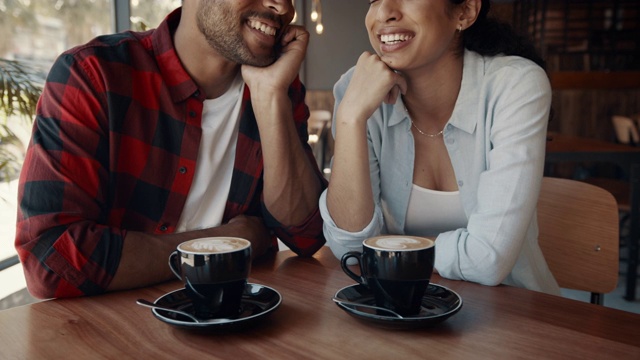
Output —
(592, 53)
(591, 49)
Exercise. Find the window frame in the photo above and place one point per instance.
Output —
(121, 15)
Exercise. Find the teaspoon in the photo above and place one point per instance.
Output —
(149, 304)
(347, 302)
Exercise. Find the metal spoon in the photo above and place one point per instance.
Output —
(347, 302)
(149, 304)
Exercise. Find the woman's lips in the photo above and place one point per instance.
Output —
(394, 41)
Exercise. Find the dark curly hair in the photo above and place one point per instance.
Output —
(489, 36)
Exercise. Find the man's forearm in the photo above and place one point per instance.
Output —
(144, 259)
(291, 185)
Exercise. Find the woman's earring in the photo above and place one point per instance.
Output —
(459, 28)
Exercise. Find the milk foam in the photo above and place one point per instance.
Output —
(214, 245)
(399, 243)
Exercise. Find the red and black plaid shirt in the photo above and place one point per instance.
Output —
(114, 148)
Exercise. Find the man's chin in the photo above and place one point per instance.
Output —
(260, 61)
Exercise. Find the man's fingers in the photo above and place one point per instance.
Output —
(294, 33)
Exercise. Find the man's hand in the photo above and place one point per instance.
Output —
(252, 228)
(278, 76)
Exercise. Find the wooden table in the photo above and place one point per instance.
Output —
(567, 148)
(494, 323)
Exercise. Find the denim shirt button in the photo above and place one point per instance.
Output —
(460, 183)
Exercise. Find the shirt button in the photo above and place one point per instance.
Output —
(450, 141)
(164, 227)
(183, 170)
(196, 94)
(192, 113)
(460, 182)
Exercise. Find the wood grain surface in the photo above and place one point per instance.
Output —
(494, 323)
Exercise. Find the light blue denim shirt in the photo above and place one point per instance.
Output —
(496, 141)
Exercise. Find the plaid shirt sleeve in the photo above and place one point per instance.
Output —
(62, 191)
(113, 149)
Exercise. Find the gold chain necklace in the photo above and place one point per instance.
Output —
(420, 131)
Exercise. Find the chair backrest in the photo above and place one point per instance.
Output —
(625, 129)
(578, 224)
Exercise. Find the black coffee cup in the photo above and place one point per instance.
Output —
(397, 269)
(214, 271)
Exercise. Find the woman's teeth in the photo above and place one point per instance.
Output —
(394, 38)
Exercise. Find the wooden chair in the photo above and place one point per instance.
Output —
(578, 224)
(626, 131)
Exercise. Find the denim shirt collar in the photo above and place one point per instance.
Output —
(463, 116)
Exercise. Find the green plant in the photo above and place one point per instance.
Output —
(19, 93)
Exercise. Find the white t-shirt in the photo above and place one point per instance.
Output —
(432, 212)
(207, 197)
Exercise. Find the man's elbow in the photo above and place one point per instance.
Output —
(45, 284)
(40, 287)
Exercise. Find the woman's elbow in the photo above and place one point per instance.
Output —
(492, 275)
(492, 280)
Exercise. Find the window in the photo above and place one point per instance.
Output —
(35, 32)
(151, 12)
(39, 30)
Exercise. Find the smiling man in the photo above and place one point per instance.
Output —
(145, 140)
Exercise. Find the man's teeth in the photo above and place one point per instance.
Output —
(262, 27)
(394, 38)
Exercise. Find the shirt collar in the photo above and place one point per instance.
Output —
(180, 84)
(467, 105)
(464, 113)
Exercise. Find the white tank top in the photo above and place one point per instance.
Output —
(432, 212)
(207, 198)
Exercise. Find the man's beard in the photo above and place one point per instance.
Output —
(223, 32)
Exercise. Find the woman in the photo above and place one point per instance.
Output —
(451, 113)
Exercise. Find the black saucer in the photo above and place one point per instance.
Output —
(258, 301)
(438, 304)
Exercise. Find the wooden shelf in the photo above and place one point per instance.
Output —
(595, 80)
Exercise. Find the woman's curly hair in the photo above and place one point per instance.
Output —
(489, 36)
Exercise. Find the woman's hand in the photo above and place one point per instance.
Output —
(373, 82)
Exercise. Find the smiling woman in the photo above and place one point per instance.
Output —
(446, 118)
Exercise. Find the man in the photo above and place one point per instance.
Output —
(145, 140)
